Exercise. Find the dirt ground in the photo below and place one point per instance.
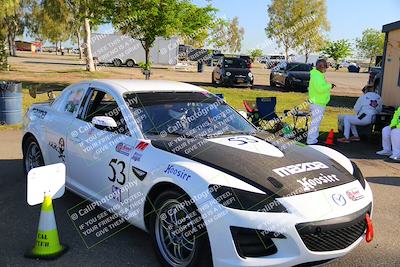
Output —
(48, 68)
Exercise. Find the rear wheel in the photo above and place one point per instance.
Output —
(130, 63)
(178, 232)
(32, 154)
(117, 62)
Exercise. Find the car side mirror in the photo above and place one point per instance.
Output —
(103, 122)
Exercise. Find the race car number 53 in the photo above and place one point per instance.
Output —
(120, 178)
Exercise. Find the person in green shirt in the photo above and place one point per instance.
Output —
(391, 138)
(319, 91)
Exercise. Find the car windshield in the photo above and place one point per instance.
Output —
(188, 114)
(235, 63)
(298, 67)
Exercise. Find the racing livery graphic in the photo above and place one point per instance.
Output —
(209, 187)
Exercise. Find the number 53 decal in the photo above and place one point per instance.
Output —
(120, 165)
(242, 140)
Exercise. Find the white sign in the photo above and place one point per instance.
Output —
(49, 180)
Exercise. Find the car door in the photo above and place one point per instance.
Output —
(100, 157)
(65, 109)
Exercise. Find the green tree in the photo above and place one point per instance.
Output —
(337, 50)
(227, 35)
(370, 44)
(89, 13)
(7, 8)
(15, 24)
(291, 20)
(256, 53)
(145, 20)
(311, 35)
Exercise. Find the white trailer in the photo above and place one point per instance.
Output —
(120, 50)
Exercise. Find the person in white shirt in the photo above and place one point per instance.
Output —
(366, 107)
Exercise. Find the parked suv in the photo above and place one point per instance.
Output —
(232, 71)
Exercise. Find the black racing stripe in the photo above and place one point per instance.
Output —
(257, 169)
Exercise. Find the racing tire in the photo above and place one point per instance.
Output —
(32, 154)
(117, 62)
(171, 228)
(130, 63)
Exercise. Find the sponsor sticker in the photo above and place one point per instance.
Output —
(116, 193)
(141, 146)
(354, 194)
(124, 149)
(310, 183)
(60, 148)
(177, 172)
(300, 168)
(41, 114)
(339, 199)
(136, 156)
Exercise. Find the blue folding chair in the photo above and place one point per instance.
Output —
(267, 108)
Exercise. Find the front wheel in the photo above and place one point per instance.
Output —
(179, 235)
(32, 155)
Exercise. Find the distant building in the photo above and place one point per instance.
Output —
(28, 46)
(391, 65)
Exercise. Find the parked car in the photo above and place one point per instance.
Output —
(375, 77)
(232, 71)
(291, 75)
(210, 189)
(353, 68)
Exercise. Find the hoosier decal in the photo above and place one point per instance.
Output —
(310, 184)
(177, 172)
(300, 168)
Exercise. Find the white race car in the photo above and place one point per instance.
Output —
(208, 186)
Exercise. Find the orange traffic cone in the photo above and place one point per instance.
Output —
(330, 138)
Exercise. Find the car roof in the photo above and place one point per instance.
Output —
(124, 86)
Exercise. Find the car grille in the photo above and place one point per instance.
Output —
(335, 234)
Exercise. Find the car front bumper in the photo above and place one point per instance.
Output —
(306, 209)
(238, 80)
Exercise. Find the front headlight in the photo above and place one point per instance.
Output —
(228, 73)
(244, 200)
(358, 174)
(250, 75)
(296, 80)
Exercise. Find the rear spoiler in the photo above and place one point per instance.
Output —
(33, 93)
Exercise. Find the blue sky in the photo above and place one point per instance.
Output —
(348, 18)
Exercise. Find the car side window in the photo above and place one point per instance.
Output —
(100, 103)
(72, 100)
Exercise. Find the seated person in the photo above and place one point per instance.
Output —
(391, 138)
(366, 107)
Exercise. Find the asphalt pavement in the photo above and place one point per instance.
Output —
(131, 246)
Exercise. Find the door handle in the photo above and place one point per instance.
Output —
(76, 139)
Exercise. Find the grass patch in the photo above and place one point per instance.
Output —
(234, 96)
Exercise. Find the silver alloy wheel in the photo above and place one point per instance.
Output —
(33, 158)
(174, 230)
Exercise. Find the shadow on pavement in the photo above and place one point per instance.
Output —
(385, 180)
(342, 101)
(19, 222)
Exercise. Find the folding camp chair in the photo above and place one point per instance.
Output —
(252, 112)
(266, 107)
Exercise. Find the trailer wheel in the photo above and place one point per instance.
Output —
(130, 63)
(117, 62)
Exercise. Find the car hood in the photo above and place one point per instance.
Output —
(298, 169)
(303, 75)
(238, 71)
